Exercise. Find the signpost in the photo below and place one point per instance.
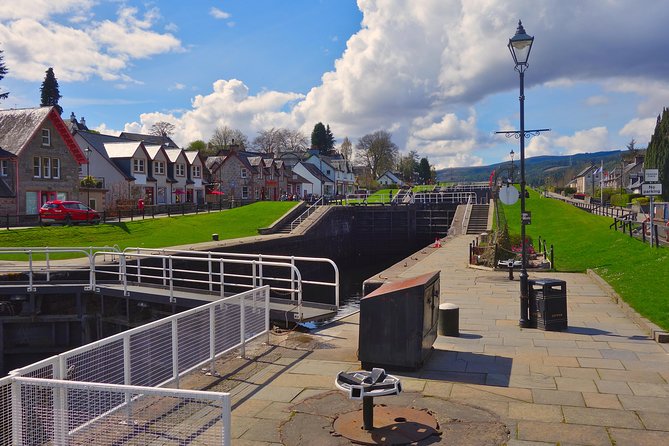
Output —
(651, 188)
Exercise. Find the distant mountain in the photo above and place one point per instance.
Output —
(539, 170)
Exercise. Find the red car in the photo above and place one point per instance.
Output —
(67, 212)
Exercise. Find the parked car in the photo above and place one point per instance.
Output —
(67, 212)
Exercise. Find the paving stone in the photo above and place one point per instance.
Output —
(528, 443)
(601, 417)
(579, 373)
(644, 403)
(639, 437)
(654, 420)
(305, 381)
(640, 376)
(619, 354)
(613, 387)
(602, 400)
(275, 411)
(559, 432)
(649, 389)
(532, 382)
(576, 384)
(557, 397)
(264, 431)
(438, 388)
(535, 412)
(278, 393)
(601, 363)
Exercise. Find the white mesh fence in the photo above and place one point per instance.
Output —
(75, 413)
(152, 355)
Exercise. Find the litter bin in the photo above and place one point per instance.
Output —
(398, 323)
(548, 304)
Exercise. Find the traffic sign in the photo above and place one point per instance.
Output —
(526, 218)
(651, 189)
(651, 175)
(508, 194)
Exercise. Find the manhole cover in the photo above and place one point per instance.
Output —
(392, 426)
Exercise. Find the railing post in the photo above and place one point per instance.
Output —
(259, 284)
(171, 278)
(552, 259)
(60, 413)
(175, 352)
(643, 230)
(210, 270)
(212, 338)
(17, 414)
(292, 278)
(242, 326)
(222, 270)
(226, 419)
(267, 326)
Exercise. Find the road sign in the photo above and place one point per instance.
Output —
(651, 175)
(526, 218)
(508, 194)
(651, 189)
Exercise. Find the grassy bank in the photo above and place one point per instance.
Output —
(153, 233)
(638, 273)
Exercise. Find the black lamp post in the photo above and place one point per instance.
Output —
(520, 46)
(512, 154)
(87, 151)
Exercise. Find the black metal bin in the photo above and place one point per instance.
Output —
(548, 304)
(398, 323)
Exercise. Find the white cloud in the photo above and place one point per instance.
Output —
(177, 86)
(640, 130)
(596, 100)
(80, 50)
(590, 140)
(218, 14)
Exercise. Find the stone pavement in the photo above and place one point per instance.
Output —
(601, 382)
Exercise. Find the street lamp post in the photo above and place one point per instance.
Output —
(88, 176)
(512, 154)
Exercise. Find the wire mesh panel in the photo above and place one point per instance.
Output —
(193, 339)
(6, 411)
(100, 414)
(151, 355)
(227, 325)
(101, 364)
(254, 313)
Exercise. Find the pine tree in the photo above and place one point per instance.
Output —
(3, 71)
(657, 153)
(329, 140)
(50, 92)
(319, 139)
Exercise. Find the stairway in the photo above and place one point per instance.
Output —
(478, 219)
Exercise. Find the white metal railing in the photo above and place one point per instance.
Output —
(303, 216)
(157, 354)
(62, 412)
(465, 217)
(40, 260)
(261, 258)
(445, 197)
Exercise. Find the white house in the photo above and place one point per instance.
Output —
(318, 183)
(389, 179)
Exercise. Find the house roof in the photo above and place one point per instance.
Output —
(315, 171)
(173, 153)
(121, 149)
(152, 150)
(5, 154)
(192, 155)
(19, 126)
(150, 139)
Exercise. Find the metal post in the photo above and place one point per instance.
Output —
(368, 412)
(524, 297)
(650, 211)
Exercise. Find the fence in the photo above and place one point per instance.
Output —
(154, 355)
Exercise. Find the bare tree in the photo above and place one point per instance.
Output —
(377, 152)
(278, 140)
(162, 128)
(225, 136)
(346, 149)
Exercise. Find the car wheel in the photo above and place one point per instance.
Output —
(68, 220)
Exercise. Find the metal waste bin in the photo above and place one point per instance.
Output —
(398, 323)
(548, 304)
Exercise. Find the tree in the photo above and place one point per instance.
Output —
(3, 71)
(162, 128)
(408, 165)
(346, 149)
(50, 91)
(657, 153)
(279, 140)
(322, 139)
(197, 145)
(225, 136)
(377, 152)
(424, 171)
(631, 153)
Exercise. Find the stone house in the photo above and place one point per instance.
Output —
(40, 160)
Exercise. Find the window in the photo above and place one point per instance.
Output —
(159, 167)
(46, 137)
(197, 171)
(37, 167)
(244, 173)
(260, 174)
(55, 168)
(180, 170)
(245, 192)
(46, 167)
(138, 165)
(4, 168)
(257, 194)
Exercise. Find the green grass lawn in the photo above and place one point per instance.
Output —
(638, 273)
(153, 233)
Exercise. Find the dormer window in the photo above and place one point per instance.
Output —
(180, 170)
(244, 173)
(138, 165)
(197, 171)
(46, 137)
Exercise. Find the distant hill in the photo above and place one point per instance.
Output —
(539, 170)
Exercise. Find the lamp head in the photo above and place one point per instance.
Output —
(519, 46)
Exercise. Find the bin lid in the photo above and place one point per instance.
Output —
(404, 284)
(544, 282)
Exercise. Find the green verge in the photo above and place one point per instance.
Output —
(243, 221)
(638, 273)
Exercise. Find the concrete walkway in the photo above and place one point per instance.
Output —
(601, 382)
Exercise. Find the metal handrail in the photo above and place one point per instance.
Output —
(259, 257)
(303, 216)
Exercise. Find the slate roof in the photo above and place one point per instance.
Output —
(5, 154)
(97, 142)
(18, 126)
(315, 171)
(150, 139)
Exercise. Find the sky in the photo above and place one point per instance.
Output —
(436, 74)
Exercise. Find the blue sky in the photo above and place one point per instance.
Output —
(435, 73)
